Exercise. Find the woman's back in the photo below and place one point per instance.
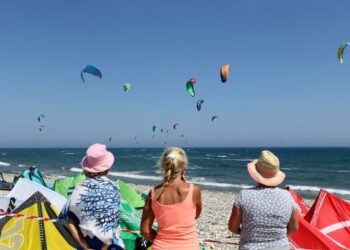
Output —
(174, 204)
(265, 216)
(175, 212)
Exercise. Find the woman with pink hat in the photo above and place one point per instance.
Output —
(265, 214)
(93, 208)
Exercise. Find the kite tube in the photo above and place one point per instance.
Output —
(199, 104)
(154, 128)
(224, 70)
(126, 87)
(91, 70)
(341, 51)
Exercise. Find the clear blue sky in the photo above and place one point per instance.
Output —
(286, 87)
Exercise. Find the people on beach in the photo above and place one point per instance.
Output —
(265, 214)
(93, 208)
(175, 205)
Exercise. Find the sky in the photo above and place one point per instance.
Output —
(285, 88)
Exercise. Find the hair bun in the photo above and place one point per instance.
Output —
(171, 156)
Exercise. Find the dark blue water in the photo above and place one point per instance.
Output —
(307, 169)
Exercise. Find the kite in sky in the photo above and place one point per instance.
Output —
(189, 86)
(214, 117)
(126, 87)
(341, 51)
(91, 70)
(40, 117)
(199, 104)
(224, 70)
(175, 125)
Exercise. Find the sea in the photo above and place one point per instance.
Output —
(223, 169)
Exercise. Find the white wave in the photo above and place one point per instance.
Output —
(70, 153)
(194, 167)
(76, 169)
(342, 171)
(204, 182)
(22, 165)
(3, 153)
(246, 160)
(289, 168)
(234, 154)
(222, 156)
(219, 184)
(135, 175)
(4, 164)
(317, 189)
(209, 155)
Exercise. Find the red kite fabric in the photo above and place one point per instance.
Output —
(331, 215)
(309, 237)
(326, 225)
(304, 208)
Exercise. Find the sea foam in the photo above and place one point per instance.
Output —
(317, 189)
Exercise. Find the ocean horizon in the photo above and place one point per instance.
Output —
(308, 169)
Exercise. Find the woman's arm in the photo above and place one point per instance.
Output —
(77, 235)
(235, 220)
(147, 220)
(293, 224)
(197, 200)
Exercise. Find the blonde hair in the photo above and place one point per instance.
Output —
(173, 163)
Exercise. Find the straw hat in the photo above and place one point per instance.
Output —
(97, 159)
(266, 170)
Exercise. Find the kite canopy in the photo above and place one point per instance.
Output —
(130, 195)
(22, 234)
(40, 116)
(214, 117)
(199, 104)
(341, 51)
(91, 70)
(66, 185)
(127, 86)
(190, 88)
(225, 69)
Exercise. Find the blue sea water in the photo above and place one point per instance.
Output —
(307, 169)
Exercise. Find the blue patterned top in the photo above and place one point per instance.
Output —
(265, 216)
(94, 205)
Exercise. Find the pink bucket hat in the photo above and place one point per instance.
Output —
(266, 170)
(97, 159)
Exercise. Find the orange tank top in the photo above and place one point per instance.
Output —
(176, 224)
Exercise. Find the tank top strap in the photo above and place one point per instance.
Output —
(190, 194)
(152, 193)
